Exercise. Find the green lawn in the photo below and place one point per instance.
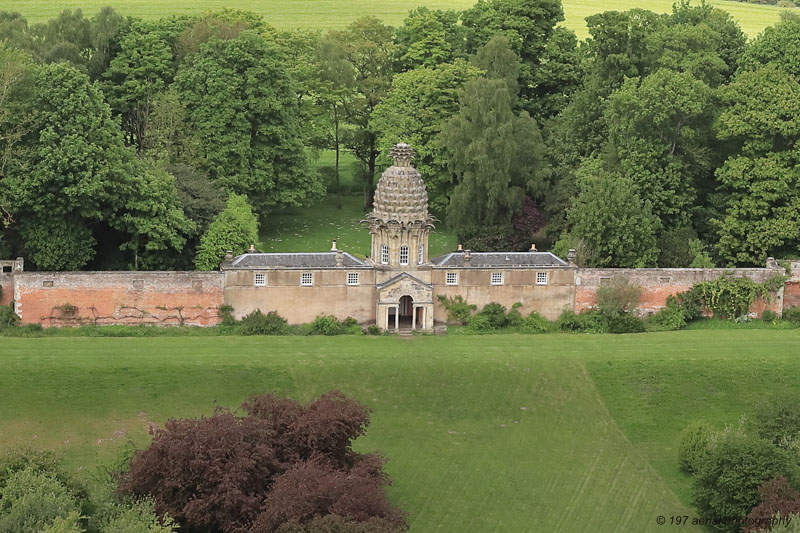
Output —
(328, 14)
(484, 433)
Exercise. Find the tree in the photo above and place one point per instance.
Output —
(496, 156)
(221, 472)
(660, 128)
(529, 26)
(234, 229)
(142, 69)
(778, 45)
(369, 49)
(414, 111)
(760, 181)
(612, 220)
(428, 38)
(242, 107)
(777, 497)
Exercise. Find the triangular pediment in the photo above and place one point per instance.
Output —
(406, 278)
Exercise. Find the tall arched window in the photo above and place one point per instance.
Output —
(384, 254)
(420, 254)
(404, 255)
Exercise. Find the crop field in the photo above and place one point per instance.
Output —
(332, 14)
(483, 433)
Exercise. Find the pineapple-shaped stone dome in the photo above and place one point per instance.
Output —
(401, 195)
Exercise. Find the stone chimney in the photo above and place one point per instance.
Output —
(572, 257)
(333, 245)
(339, 257)
(467, 257)
(228, 261)
(252, 249)
(533, 247)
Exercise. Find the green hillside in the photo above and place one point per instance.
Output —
(327, 14)
(491, 433)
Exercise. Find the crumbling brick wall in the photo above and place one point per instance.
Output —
(155, 298)
(7, 288)
(659, 283)
(791, 291)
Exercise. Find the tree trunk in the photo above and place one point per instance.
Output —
(369, 191)
(336, 147)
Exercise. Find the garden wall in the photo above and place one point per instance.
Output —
(102, 298)
(791, 291)
(659, 283)
(7, 288)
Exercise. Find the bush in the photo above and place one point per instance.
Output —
(218, 473)
(590, 321)
(672, 317)
(458, 310)
(373, 329)
(137, 517)
(728, 477)
(769, 316)
(782, 526)
(225, 312)
(729, 297)
(326, 325)
(480, 324)
(514, 318)
(618, 297)
(495, 315)
(257, 323)
(792, 315)
(625, 323)
(777, 420)
(535, 323)
(332, 523)
(32, 500)
(8, 318)
(693, 445)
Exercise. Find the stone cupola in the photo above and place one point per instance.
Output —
(400, 223)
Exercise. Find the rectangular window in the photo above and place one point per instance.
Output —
(452, 278)
(420, 254)
(404, 255)
(605, 281)
(497, 278)
(306, 279)
(541, 278)
(663, 280)
(352, 278)
(47, 283)
(260, 280)
(384, 254)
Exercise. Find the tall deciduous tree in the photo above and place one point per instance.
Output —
(369, 48)
(761, 181)
(611, 220)
(428, 38)
(242, 107)
(495, 154)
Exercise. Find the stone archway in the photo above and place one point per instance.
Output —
(405, 312)
(405, 302)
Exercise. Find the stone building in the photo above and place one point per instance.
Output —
(397, 286)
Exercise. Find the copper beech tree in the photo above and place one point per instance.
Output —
(278, 464)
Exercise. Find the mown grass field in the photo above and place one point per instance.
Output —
(484, 433)
(332, 14)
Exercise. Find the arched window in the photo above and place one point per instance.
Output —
(404, 255)
(384, 254)
(420, 254)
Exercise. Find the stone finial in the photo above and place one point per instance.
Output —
(772, 263)
(572, 257)
(252, 249)
(402, 154)
(19, 264)
(467, 257)
(533, 247)
(460, 248)
(339, 258)
(333, 245)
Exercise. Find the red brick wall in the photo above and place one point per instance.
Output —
(158, 298)
(658, 283)
(791, 294)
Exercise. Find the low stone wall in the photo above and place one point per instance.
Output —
(791, 291)
(102, 298)
(659, 283)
